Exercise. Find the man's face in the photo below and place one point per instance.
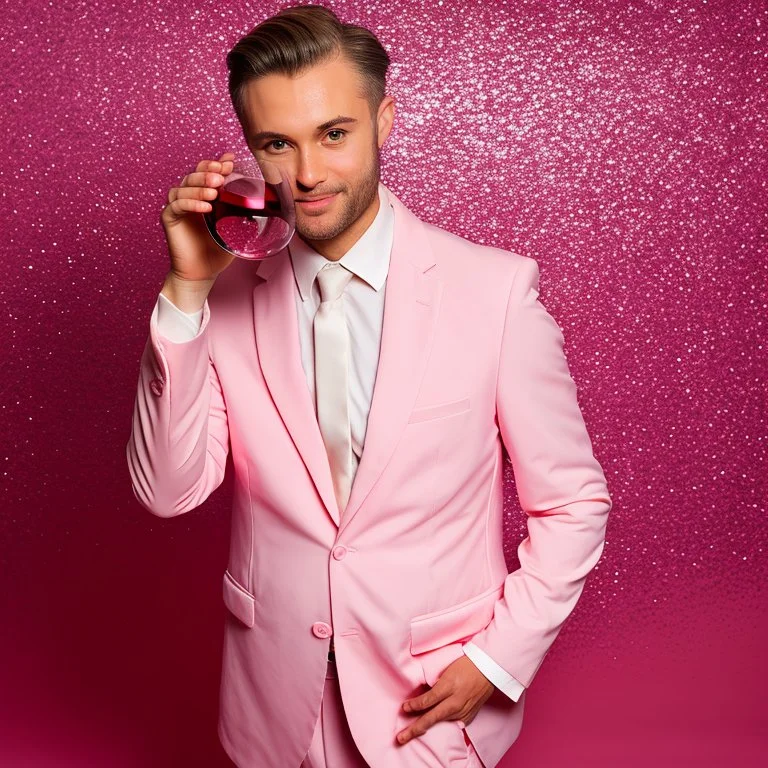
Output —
(288, 125)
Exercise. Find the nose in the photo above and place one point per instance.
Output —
(310, 170)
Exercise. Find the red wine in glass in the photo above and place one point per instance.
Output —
(253, 215)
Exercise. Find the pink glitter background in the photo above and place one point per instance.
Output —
(620, 144)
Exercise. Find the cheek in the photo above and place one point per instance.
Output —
(352, 161)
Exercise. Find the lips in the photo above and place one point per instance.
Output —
(316, 203)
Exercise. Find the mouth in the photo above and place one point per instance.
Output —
(317, 203)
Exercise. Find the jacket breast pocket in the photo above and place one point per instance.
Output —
(439, 411)
(239, 600)
(455, 624)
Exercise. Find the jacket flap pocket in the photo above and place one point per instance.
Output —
(434, 630)
(239, 600)
(438, 411)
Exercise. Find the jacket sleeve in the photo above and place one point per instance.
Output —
(560, 484)
(179, 441)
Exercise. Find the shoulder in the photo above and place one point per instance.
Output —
(504, 270)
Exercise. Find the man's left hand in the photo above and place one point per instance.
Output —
(457, 695)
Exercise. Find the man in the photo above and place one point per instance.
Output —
(367, 380)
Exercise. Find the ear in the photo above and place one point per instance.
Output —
(385, 118)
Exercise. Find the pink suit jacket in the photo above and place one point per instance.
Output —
(471, 364)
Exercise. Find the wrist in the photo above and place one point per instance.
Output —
(187, 295)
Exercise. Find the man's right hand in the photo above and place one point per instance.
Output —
(196, 259)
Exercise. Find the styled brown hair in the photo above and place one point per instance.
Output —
(302, 36)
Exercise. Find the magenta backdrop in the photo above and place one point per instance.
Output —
(621, 145)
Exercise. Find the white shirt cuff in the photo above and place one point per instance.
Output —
(175, 324)
(496, 674)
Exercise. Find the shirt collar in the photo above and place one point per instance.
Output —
(368, 258)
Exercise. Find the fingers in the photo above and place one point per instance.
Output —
(446, 710)
(438, 692)
(200, 186)
(184, 205)
(206, 165)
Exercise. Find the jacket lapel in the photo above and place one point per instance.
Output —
(411, 305)
(277, 339)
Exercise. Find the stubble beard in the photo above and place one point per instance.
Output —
(352, 206)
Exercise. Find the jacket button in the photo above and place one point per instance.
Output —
(156, 385)
(321, 629)
(339, 552)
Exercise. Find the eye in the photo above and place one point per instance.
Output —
(273, 145)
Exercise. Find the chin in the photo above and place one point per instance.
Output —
(314, 233)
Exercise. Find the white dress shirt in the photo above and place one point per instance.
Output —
(368, 260)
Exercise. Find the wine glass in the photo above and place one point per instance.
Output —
(253, 214)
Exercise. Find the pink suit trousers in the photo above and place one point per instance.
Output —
(332, 743)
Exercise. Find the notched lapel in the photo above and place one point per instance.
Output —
(277, 340)
(411, 307)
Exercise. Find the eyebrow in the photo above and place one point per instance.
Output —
(320, 128)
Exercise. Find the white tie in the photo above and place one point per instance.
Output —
(332, 375)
